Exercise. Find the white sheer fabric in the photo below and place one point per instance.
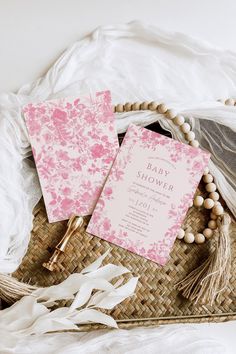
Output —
(136, 62)
(173, 339)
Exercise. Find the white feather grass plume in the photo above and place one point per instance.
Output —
(90, 291)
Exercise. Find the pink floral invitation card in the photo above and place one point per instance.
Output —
(147, 194)
(74, 143)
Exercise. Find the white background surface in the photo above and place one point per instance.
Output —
(33, 34)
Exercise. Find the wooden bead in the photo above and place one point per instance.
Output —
(189, 237)
(206, 170)
(185, 128)
(198, 201)
(190, 136)
(170, 114)
(162, 108)
(180, 234)
(212, 224)
(208, 203)
(119, 108)
(128, 107)
(153, 106)
(136, 106)
(179, 120)
(207, 233)
(218, 210)
(208, 178)
(213, 216)
(194, 143)
(214, 196)
(199, 238)
(144, 106)
(210, 187)
(230, 102)
(113, 109)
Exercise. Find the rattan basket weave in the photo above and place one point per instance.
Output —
(156, 300)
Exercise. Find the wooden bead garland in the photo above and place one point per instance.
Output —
(185, 128)
(217, 210)
(230, 102)
(214, 196)
(207, 232)
(179, 120)
(180, 234)
(208, 179)
(199, 238)
(210, 187)
(189, 237)
(198, 201)
(208, 203)
(211, 202)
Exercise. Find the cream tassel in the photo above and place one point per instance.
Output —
(205, 283)
(12, 290)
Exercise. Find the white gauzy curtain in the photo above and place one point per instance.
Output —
(135, 62)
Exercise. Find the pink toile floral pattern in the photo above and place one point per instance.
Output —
(194, 161)
(74, 143)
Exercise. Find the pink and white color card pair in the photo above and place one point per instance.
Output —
(147, 194)
(74, 143)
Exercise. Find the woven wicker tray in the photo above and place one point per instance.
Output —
(156, 300)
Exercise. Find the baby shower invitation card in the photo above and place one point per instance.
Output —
(148, 192)
(74, 143)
